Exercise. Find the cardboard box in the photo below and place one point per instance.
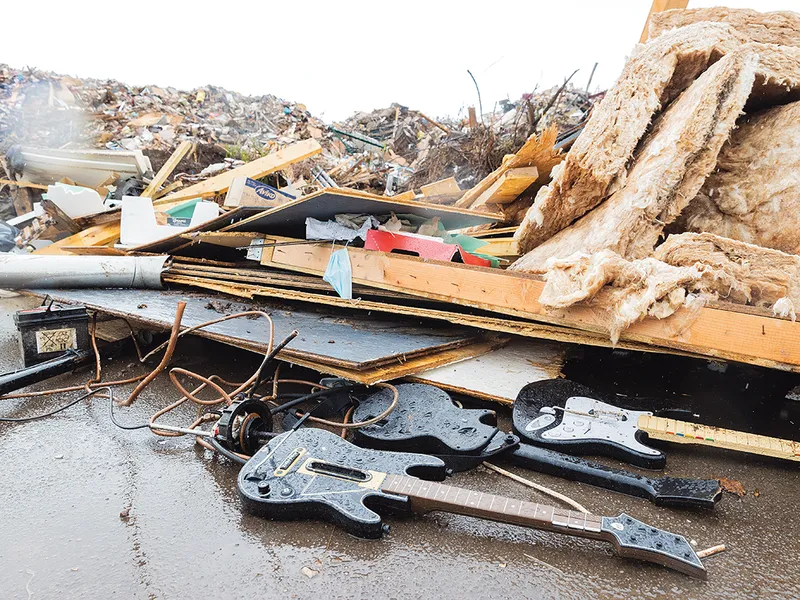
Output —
(249, 192)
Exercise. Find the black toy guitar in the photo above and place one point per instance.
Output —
(570, 417)
(312, 473)
(426, 420)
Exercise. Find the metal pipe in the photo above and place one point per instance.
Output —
(26, 271)
(186, 430)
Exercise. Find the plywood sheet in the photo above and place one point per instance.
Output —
(334, 338)
(499, 375)
(289, 219)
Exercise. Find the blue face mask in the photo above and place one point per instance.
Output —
(339, 274)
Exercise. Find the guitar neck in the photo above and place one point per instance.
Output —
(426, 496)
(670, 430)
(631, 538)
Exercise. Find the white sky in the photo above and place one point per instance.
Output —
(338, 57)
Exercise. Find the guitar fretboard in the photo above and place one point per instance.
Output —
(428, 495)
(671, 430)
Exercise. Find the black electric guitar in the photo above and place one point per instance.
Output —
(312, 473)
(426, 420)
(570, 417)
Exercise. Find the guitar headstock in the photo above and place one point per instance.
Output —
(315, 474)
(635, 539)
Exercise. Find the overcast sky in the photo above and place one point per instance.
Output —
(338, 57)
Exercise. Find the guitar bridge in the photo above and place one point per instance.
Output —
(333, 470)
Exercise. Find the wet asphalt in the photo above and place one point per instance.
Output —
(67, 479)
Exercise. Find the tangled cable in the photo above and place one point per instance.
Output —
(95, 385)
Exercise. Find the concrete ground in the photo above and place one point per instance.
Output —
(67, 478)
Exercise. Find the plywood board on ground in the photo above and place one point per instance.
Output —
(499, 375)
(331, 338)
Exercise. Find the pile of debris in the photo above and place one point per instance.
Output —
(385, 151)
(55, 111)
(695, 139)
(462, 255)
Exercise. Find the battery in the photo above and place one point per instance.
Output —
(48, 331)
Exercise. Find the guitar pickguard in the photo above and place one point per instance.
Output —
(586, 418)
(569, 417)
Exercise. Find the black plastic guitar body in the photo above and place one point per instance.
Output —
(426, 420)
(280, 482)
(568, 417)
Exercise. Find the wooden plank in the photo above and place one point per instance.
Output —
(500, 325)
(472, 119)
(538, 151)
(93, 250)
(499, 375)
(660, 6)
(99, 235)
(220, 238)
(724, 334)
(22, 201)
(508, 187)
(167, 168)
(407, 196)
(502, 247)
(164, 191)
(254, 170)
(23, 184)
(496, 232)
(443, 186)
(63, 220)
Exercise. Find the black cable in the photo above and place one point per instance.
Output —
(120, 425)
(292, 403)
(267, 359)
(58, 410)
(225, 452)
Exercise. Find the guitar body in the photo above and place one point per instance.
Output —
(314, 474)
(426, 420)
(292, 479)
(569, 417)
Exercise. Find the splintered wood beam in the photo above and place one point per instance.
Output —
(254, 170)
(508, 187)
(714, 332)
(660, 6)
(167, 168)
(22, 201)
(163, 192)
(99, 235)
(23, 184)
